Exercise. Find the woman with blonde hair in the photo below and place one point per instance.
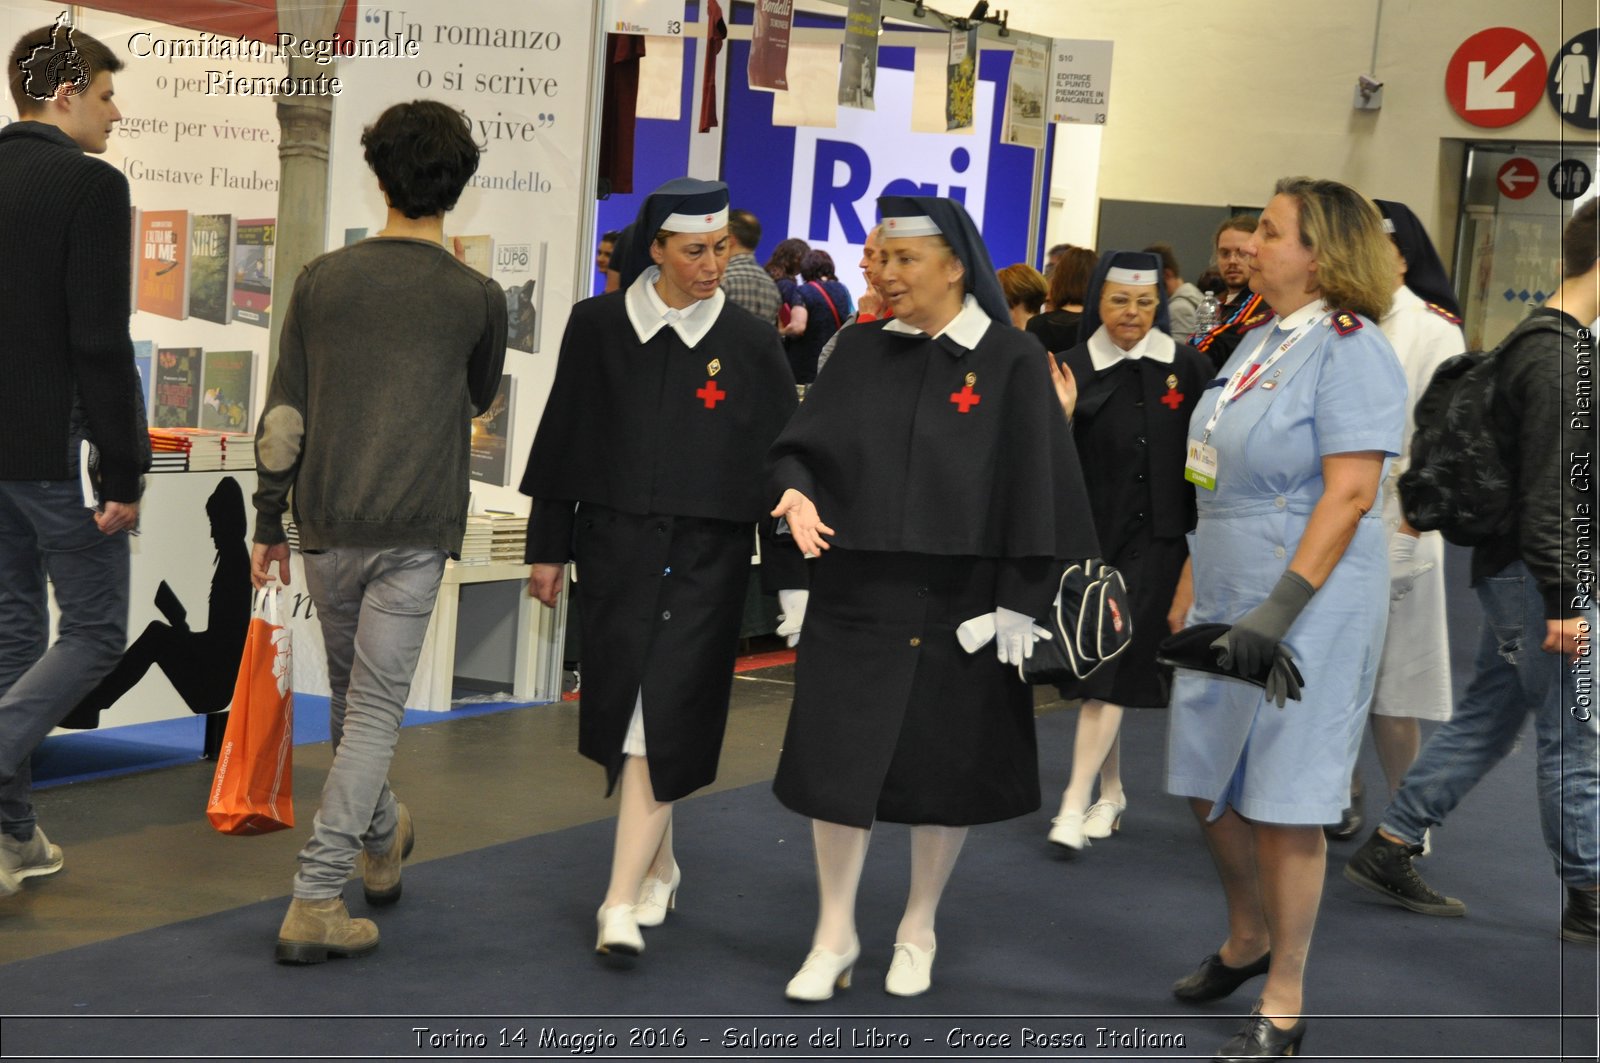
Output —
(1289, 561)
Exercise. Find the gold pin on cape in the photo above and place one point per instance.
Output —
(714, 366)
(972, 379)
(1172, 381)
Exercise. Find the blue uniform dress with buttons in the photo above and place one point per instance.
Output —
(1329, 394)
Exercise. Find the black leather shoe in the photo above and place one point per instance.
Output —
(1259, 1039)
(1213, 979)
(1582, 917)
(1350, 819)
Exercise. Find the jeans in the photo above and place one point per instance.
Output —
(1512, 678)
(373, 605)
(47, 531)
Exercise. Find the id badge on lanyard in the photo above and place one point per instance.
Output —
(1200, 467)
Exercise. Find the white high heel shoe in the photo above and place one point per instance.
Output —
(1103, 819)
(821, 974)
(1066, 830)
(619, 931)
(910, 972)
(657, 898)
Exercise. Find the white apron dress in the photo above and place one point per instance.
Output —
(1414, 672)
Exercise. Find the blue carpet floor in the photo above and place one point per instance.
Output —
(1029, 941)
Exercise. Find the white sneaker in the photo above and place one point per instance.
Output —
(29, 859)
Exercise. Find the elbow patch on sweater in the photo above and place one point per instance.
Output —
(282, 429)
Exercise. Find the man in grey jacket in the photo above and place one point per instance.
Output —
(1183, 298)
(390, 346)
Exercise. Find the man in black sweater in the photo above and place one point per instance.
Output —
(69, 377)
(1536, 585)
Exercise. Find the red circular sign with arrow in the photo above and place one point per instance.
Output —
(1496, 77)
(1517, 178)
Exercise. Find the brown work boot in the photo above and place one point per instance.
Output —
(314, 930)
(380, 872)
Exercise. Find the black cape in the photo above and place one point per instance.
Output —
(627, 425)
(883, 449)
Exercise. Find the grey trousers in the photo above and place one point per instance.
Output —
(373, 605)
(46, 531)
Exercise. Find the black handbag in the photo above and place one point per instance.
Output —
(1090, 623)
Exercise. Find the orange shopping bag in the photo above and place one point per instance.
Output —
(252, 792)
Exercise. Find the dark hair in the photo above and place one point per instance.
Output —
(817, 265)
(1580, 241)
(1057, 250)
(1345, 232)
(743, 227)
(1023, 286)
(55, 65)
(1211, 281)
(611, 237)
(1169, 258)
(1069, 281)
(423, 154)
(785, 260)
(1244, 223)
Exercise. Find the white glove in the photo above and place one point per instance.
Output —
(793, 604)
(1403, 566)
(1014, 636)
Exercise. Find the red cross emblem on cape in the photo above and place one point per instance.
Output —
(1172, 399)
(965, 399)
(711, 394)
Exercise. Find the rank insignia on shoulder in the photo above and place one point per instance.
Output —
(1442, 312)
(1253, 322)
(1344, 322)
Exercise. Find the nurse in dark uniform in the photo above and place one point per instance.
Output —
(1131, 388)
(647, 472)
(934, 475)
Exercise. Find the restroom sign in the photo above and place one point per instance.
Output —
(1495, 78)
(1571, 84)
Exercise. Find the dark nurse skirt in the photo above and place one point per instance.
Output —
(892, 719)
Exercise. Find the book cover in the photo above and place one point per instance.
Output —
(520, 270)
(253, 241)
(176, 387)
(164, 263)
(226, 381)
(491, 437)
(210, 279)
(474, 251)
(144, 353)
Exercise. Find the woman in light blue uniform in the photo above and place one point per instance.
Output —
(1288, 450)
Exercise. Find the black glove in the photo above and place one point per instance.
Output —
(1249, 645)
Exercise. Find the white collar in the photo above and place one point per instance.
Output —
(1306, 313)
(966, 328)
(1404, 299)
(649, 314)
(1156, 346)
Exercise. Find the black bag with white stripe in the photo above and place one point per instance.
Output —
(1090, 623)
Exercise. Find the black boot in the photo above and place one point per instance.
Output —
(1582, 917)
(1384, 867)
(1259, 1039)
(1213, 979)
(1350, 819)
